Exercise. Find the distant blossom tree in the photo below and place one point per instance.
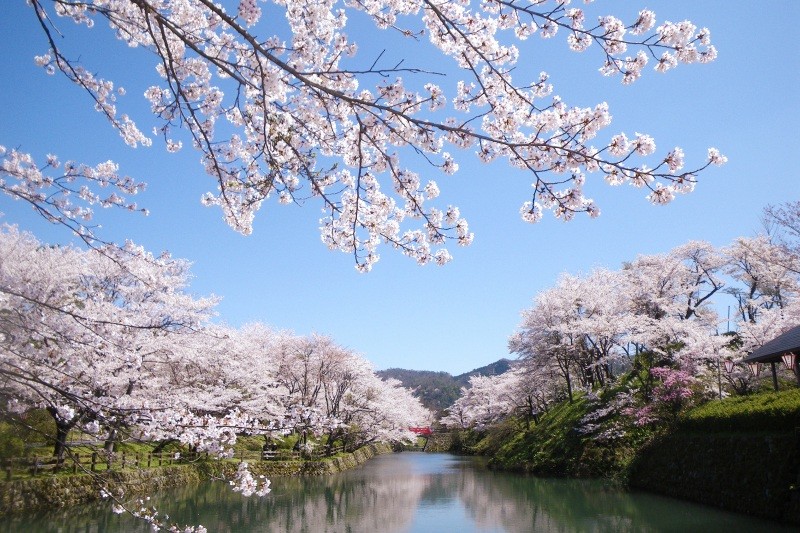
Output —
(576, 328)
(481, 404)
(656, 320)
(767, 269)
(295, 112)
(783, 221)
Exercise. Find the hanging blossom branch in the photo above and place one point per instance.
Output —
(302, 119)
(66, 193)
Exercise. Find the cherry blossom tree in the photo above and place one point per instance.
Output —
(767, 276)
(83, 331)
(457, 415)
(528, 390)
(655, 312)
(108, 341)
(66, 193)
(296, 112)
(655, 320)
(251, 367)
(538, 338)
(578, 325)
(671, 318)
(600, 308)
(677, 284)
(382, 410)
(525, 392)
(483, 402)
(767, 291)
(221, 373)
(783, 221)
(333, 390)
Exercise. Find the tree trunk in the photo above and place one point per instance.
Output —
(60, 448)
(62, 431)
(569, 385)
(108, 445)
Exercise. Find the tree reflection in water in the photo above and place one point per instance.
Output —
(410, 492)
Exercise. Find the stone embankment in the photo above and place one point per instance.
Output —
(60, 491)
(439, 442)
(757, 473)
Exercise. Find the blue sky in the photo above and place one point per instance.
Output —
(457, 317)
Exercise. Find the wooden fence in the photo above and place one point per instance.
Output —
(99, 461)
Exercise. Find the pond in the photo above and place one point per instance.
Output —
(410, 492)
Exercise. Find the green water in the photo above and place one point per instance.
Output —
(410, 492)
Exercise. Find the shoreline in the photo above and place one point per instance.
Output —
(51, 492)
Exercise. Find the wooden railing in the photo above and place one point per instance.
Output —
(88, 462)
(99, 461)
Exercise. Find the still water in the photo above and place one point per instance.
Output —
(411, 492)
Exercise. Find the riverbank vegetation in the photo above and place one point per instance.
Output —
(559, 445)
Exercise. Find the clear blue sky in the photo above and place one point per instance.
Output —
(457, 317)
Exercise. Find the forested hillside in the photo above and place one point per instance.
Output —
(439, 390)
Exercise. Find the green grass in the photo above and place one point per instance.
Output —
(551, 447)
(767, 412)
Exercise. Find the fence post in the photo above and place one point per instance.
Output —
(9, 469)
(94, 461)
(75, 462)
(35, 466)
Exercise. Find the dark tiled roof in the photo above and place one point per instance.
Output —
(787, 342)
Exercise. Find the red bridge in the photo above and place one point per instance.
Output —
(422, 431)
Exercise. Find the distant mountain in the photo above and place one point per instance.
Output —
(439, 390)
(492, 369)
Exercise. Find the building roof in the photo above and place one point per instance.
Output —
(772, 350)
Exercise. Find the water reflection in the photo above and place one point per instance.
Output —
(411, 492)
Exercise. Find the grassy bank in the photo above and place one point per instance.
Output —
(559, 445)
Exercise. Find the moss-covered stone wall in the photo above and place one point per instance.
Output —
(439, 442)
(48, 492)
(749, 472)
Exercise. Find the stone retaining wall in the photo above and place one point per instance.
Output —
(752, 473)
(439, 442)
(60, 491)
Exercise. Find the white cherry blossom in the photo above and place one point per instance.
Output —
(294, 110)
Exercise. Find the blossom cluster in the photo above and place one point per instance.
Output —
(65, 193)
(244, 482)
(296, 116)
